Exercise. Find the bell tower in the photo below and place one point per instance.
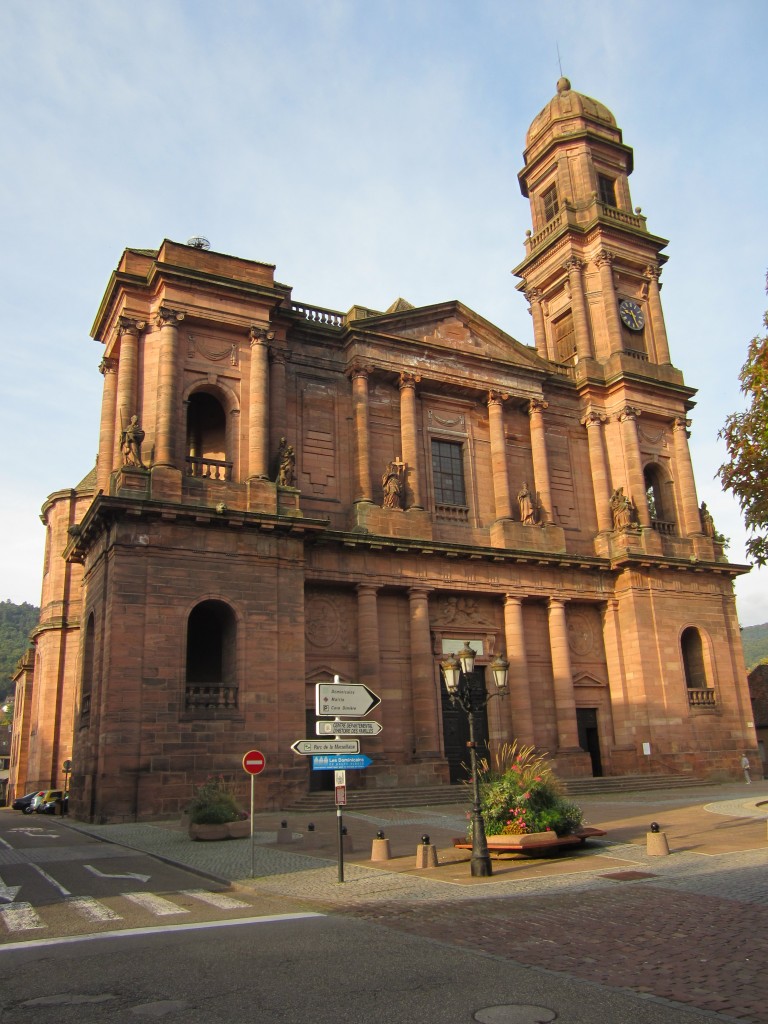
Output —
(591, 270)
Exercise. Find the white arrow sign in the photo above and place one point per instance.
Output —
(128, 874)
(8, 893)
(326, 746)
(353, 699)
(339, 728)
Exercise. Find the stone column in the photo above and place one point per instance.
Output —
(593, 421)
(535, 297)
(684, 473)
(166, 441)
(573, 266)
(409, 435)
(565, 703)
(127, 371)
(634, 463)
(536, 409)
(278, 423)
(360, 408)
(426, 694)
(369, 656)
(258, 407)
(604, 264)
(652, 274)
(499, 468)
(108, 443)
(520, 707)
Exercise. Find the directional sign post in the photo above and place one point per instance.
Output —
(341, 728)
(254, 763)
(331, 762)
(326, 746)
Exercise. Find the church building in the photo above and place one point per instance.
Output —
(285, 493)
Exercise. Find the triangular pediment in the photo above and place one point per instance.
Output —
(452, 327)
(587, 679)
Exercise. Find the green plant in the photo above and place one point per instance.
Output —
(213, 803)
(519, 793)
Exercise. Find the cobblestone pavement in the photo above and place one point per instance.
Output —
(691, 927)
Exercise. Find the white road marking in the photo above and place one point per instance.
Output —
(20, 917)
(155, 904)
(8, 893)
(67, 940)
(129, 874)
(92, 909)
(51, 880)
(216, 899)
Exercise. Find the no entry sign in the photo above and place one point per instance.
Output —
(254, 762)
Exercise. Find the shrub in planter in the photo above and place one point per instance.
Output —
(519, 794)
(213, 804)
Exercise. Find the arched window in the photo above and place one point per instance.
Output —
(207, 438)
(659, 498)
(89, 657)
(700, 693)
(211, 655)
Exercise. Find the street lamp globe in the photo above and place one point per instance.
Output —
(500, 671)
(467, 657)
(451, 673)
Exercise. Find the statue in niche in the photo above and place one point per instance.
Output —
(707, 522)
(286, 469)
(392, 484)
(623, 510)
(527, 509)
(131, 438)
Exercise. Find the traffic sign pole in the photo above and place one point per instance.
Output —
(254, 763)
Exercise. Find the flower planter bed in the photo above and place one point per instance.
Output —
(533, 842)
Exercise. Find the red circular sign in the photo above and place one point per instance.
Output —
(254, 762)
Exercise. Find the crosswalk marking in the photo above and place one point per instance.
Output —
(156, 904)
(92, 910)
(216, 899)
(20, 917)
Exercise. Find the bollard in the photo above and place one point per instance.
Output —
(311, 837)
(380, 848)
(346, 840)
(426, 854)
(656, 844)
(284, 834)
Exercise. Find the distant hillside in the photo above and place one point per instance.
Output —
(16, 623)
(755, 642)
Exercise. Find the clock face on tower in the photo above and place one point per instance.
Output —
(631, 315)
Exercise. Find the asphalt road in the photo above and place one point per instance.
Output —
(316, 969)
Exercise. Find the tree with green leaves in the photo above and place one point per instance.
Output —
(16, 623)
(746, 439)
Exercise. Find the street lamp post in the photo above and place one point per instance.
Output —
(456, 672)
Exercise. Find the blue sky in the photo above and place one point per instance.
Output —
(370, 150)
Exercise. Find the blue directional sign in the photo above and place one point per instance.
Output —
(339, 762)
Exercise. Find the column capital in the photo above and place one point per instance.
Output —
(573, 265)
(357, 370)
(652, 272)
(409, 380)
(537, 406)
(604, 258)
(629, 412)
(557, 602)
(420, 591)
(260, 334)
(497, 397)
(367, 588)
(166, 316)
(107, 365)
(533, 294)
(129, 325)
(681, 423)
(593, 419)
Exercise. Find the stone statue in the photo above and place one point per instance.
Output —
(130, 444)
(707, 522)
(286, 470)
(392, 485)
(623, 510)
(525, 501)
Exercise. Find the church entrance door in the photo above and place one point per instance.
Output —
(589, 737)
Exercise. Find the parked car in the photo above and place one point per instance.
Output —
(24, 803)
(48, 800)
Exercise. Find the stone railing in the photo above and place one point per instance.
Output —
(452, 513)
(637, 354)
(663, 527)
(208, 469)
(318, 315)
(210, 696)
(702, 698)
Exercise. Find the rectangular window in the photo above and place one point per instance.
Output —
(565, 337)
(606, 188)
(448, 473)
(551, 205)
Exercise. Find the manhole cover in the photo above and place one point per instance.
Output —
(628, 876)
(515, 1014)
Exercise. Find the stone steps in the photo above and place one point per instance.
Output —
(363, 799)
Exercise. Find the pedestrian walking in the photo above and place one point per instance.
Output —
(745, 767)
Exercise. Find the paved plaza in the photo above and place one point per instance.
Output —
(690, 927)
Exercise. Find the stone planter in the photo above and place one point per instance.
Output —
(240, 829)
